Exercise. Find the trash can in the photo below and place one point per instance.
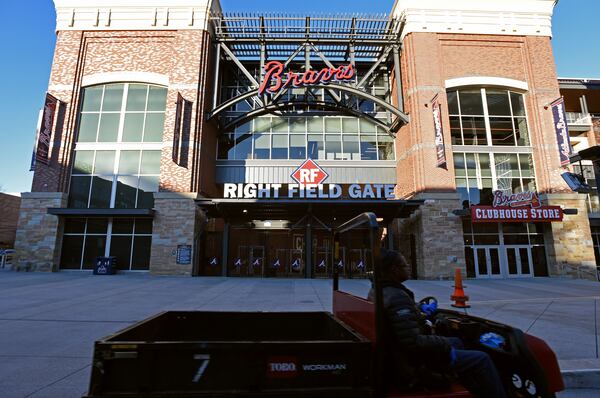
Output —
(105, 265)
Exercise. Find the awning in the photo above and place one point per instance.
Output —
(263, 209)
(70, 212)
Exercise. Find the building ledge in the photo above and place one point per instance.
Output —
(58, 211)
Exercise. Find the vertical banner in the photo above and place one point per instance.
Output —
(42, 150)
(440, 148)
(561, 130)
(177, 132)
(35, 141)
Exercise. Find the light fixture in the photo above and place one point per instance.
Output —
(267, 223)
(244, 211)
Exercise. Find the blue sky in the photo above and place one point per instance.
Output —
(28, 38)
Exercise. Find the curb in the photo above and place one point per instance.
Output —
(581, 379)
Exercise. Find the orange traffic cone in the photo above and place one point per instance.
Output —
(459, 297)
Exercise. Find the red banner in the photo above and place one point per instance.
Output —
(45, 135)
(520, 214)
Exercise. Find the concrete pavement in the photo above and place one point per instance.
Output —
(49, 321)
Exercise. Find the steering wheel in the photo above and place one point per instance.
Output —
(428, 300)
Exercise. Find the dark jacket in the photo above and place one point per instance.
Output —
(408, 330)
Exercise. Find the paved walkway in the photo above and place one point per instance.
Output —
(49, 321)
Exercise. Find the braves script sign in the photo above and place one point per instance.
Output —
(309, 177)
(518, 207)
(275, 81)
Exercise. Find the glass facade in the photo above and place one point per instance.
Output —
(127, 239)
(492, 152)
(322, 135)
(116, 166)
(487, 117)
(315, 137)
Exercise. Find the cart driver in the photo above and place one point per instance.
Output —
(415, 348)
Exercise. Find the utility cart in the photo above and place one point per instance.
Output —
(299, 354)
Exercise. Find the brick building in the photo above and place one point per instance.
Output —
(180, 134)
(9, 215)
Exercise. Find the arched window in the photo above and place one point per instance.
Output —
(487, 116)
(111, 168)
(301, 137)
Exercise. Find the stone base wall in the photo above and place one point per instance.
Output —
(569, 244)
(38, 240)
(176, 222)
(438, 236)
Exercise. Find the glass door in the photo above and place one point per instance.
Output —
(487, 261)
(519, 261)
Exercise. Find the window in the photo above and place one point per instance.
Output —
(114, 179)
(487, 117)
(479, 174)
(127, 239)
(118, 150)
(587, 170)
(315, 137)
(124, 112)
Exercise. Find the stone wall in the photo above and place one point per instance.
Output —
(439, 236)
(569, 244)
(176, 222)
(38, 235)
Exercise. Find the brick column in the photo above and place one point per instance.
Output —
(569, 245)
(39, 234)
(439, 236)
(177, 222)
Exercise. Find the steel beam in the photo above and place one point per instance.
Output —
(321, 104)
(240, 65)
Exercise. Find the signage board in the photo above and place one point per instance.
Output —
(309, 177)
(275, 80)
(184, 254)
(510, 214)
(516, 207)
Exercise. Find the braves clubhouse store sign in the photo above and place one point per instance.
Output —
(309, 177)
(518, 207)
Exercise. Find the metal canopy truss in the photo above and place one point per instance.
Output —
(245, 43)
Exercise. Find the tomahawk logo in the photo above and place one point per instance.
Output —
(309, 173)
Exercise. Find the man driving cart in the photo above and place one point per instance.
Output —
(417, 354)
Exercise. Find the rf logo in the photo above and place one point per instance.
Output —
(309, 173)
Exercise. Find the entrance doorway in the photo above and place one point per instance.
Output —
(519, 261)
(503, 261)
(487, 262)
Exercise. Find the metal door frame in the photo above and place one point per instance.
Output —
(488, 258)
(519, 264)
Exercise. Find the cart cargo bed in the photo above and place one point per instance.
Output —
(233, 353)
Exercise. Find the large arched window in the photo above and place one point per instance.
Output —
(116, 165)
(117, 155)
(486, 116)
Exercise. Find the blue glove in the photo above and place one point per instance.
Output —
(492, 340)
(453, 358)
(428, 309)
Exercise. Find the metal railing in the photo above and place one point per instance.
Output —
(6, 257)
(579, 119)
